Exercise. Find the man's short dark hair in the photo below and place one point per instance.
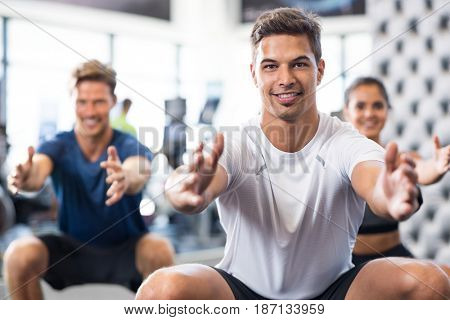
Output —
(94, 70)
(288, 21)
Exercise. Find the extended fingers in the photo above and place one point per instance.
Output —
(111, 165)
(405, 209)
(190, 181)
(198, 159)
(407, 172)
(113, 188)
(191, 198)
(219, 144)
(18, 171)
(217, 149)
(436, 142)
(391, 156)
(409, 192)
(119, 176)
(407, 159)
(114, 199)
(30, 154)
(115, 192)
(12, 184)
(112, 153)
(15, 178)
(445, 152)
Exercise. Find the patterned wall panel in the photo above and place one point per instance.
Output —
(412, 57)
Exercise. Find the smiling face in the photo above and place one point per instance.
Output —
(367, 110)
(93, 101)
(286, 73)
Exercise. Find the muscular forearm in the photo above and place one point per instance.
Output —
(427, 171)
(368, 183)
(377, 202)
(136, 182)
(34, 182)
(137, 173)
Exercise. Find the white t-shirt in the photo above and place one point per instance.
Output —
(291, 218)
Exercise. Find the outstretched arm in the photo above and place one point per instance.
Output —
(390, 190)
(31, 174)
(432, 170)
(191, 188)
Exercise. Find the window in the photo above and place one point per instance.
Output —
(146, 72)
(41, 60)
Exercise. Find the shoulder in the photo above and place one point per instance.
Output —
(123, 138)
(60, 139)
(240, 136)
(343, 139)
(337, 130)
(64, 136)
(56, 147)
(336, 126)
(127, 145)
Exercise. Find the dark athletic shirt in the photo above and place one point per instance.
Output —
(81, 191)
(374, 224)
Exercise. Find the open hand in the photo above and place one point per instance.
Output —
(116, 177)
(19, 176)
(191, 182)
(399, 183)
(441, 156)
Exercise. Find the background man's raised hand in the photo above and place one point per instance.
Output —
(116, 177)
(17, 180)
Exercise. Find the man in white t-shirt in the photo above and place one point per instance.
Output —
(291, 187)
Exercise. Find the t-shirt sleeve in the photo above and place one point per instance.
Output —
(132, 147)
(231, 160)
(354, 148)
(53, 148)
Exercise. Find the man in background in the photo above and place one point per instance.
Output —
(98, 174)
(120, 123)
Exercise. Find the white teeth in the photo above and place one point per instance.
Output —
(91, 121)
(287, 95)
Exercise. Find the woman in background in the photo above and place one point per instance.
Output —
(366, 107)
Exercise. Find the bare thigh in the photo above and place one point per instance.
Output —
(399, 278)
(187, 281)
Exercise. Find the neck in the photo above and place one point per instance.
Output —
(290, 136)
(93, 146)
(376, 139)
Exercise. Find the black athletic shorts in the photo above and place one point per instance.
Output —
(72, 263)
(398, 251)
(336, 291)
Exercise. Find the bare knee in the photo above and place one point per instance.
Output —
(166, 284)
(423, 280)
(25, 257)
(153, 253)
(163, 249)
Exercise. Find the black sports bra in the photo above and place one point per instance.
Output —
(374, 224)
